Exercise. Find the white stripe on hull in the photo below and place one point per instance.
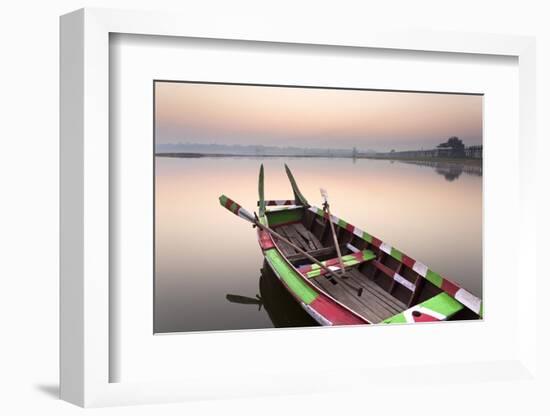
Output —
(420, 268)
(316, 315)
(386, 248)
(468, 300)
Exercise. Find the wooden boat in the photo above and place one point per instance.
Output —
(380, 283)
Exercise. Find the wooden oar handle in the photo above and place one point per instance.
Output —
(335, 239)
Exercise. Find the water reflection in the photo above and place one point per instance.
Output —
(282, 309)
(203, 253)
(450, 170)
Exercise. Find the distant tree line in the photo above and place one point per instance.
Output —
(453, 148)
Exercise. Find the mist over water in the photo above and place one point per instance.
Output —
(433, 213)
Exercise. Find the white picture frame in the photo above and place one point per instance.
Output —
(85, 211)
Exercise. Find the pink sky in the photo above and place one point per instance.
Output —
(307, 117)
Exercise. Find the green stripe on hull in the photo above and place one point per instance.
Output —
(291, 278)
(284, 216)
(397, 319)
(396, 254)
(434, 278)
(367, 237)
(443, 304)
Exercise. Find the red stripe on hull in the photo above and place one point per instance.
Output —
(407, 261)
(334, 312)
(376, 242)
(350, 228)
(424, 318)
(266, 242)
(450, 287)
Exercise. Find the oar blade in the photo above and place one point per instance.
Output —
(297, 194)
(243, 300)
(324, 194)
(261, 208)
(235, 208)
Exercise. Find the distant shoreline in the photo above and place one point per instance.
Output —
(461, 160)
(199, 155)
(464, 161)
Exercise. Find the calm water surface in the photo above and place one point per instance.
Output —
(208, 263)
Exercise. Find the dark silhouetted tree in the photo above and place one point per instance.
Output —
(453, 142)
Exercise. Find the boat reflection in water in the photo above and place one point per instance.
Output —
(280, 306)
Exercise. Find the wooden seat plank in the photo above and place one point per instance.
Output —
(322, 252)
(349, 260)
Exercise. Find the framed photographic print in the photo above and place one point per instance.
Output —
(372, 149)
(245, 210)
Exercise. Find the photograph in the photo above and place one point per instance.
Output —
(286, 206)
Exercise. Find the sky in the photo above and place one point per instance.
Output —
(313, 117)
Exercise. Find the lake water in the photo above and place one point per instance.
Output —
(204, 253)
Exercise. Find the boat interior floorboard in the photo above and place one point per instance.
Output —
(390, 301)
(375, 304)
(298, 235)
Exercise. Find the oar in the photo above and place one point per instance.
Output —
(244, 300)
(244, 214)
(326, 207)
